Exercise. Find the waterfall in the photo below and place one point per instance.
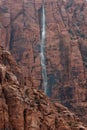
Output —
(43, 34)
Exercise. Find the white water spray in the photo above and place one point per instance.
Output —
(43, 34)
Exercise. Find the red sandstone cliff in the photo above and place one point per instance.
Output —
(22, 107)
(66, 46)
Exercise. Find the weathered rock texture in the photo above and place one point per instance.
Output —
(66, 46)
(22, 107)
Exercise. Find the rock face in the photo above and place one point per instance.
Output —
(66, 46)
(22, 107)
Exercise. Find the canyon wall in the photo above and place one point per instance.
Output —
(66, 46)
(24, 107)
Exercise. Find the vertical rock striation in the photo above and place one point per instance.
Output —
(66, 46)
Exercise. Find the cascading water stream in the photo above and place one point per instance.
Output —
(43, 36)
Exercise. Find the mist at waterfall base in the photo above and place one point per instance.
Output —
(42, 54)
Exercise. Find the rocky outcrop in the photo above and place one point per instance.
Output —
(22, 107)
(66, 48)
